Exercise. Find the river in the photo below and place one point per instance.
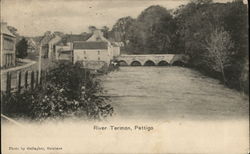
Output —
(168, 93)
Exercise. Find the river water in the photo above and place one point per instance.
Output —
(167, 93)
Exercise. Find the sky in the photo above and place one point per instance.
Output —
(34, 17)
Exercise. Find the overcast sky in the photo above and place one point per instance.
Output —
(34, 17)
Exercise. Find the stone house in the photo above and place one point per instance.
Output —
(87, 47)
(91, 51)
(8, 47)
(64, 48)
(96, 48)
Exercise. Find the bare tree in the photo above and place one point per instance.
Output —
(218, 45)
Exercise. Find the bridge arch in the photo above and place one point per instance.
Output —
(135, 63)
(149, 63)
(163, 63)
(122, 63)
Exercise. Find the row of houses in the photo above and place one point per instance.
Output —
(57, 47)
(87, 48)
(93, 48)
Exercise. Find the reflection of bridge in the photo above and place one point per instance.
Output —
(152, 59)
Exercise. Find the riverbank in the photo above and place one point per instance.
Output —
(232, 81)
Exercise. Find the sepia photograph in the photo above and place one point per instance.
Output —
(124, 76)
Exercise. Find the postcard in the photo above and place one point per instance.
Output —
(124, 76)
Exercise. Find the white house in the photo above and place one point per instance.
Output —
(64, 48)
(97, 49)
(92, 51)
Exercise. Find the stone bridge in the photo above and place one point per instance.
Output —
(152, 60)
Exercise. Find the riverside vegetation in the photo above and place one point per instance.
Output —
(214, 35)
(67, 91)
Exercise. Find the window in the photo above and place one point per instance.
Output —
(98, 52)
(99, 58)
(85, 57)
(8, 44)
(84, 52)
(9, 59)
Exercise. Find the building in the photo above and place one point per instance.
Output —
(52, 46)
(91, 51)
(115, 49)
(87, 48)
(64, 48)
(97, 48)
(48, 44)
(32, 46)
(44, 44)
(8, 47)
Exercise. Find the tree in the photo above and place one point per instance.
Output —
(120, 29)
(156, 29)
(151, 32)
(21, 48)
(218, 46)
(199, 18)
(105, 31)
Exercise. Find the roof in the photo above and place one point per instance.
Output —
(97, 36)
(90, 45)
(45, 39)
(36, 39)
(5, 30)
(73, 38)
(114, 44)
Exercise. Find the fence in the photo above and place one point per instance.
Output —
(18, 81)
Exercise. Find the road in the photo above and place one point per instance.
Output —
(46, 63)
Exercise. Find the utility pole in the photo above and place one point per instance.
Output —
(39, 63)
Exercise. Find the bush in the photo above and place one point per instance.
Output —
(68, 91)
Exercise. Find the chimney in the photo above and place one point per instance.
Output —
(98, 32)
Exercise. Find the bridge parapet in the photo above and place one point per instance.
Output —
(155, 59)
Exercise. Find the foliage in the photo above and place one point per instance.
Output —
(68, 91)
(120, 30)
(186, 30)
(151, 32)
(199, 19)
(218, 45)
(21, 48)
(105, 31)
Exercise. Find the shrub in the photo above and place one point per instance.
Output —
(68, 91)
